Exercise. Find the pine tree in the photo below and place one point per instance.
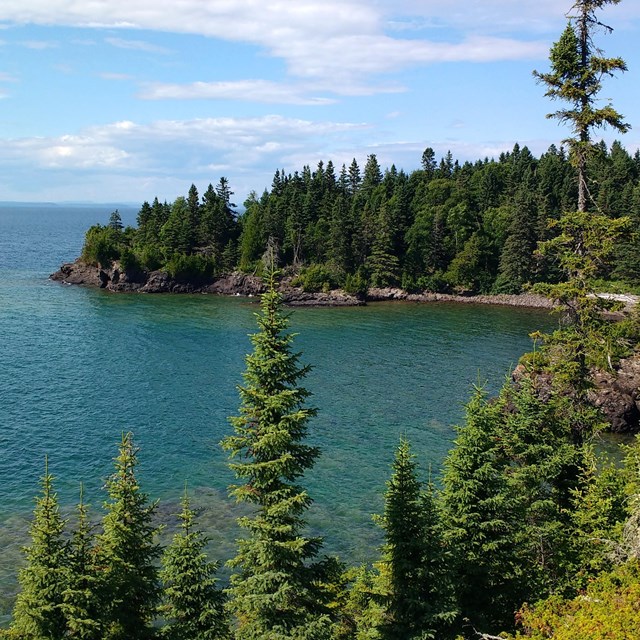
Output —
(517, 262)
(420, 596)
(127, 553)
(577, 71)
(193, 606)
(81, 603)
(274, 592)
(38, 612)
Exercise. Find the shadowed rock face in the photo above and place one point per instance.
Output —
(616, 393)
(233, 284)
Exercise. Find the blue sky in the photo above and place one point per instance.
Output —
(123, 100)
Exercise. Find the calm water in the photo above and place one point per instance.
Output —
(79, 366)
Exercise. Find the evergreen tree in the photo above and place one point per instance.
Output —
(478, 518)
(115, 221)
(38, 612)
(420, 602)
(127, 553)
(517, 261)
(193, 606)
(274, 592)
(81, 603)
(577, 71)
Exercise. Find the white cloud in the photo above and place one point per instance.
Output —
(244, 143)
(133, 161)
(331, 41)
(39, 45)
(254, 90)
(136, 45)
(7, 77)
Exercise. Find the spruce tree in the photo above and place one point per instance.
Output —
(127, 553)
(274, 592)
(577, 70)
(81, 602)
(193, 607)
(38, 612)
(419, 600)
(478, 518)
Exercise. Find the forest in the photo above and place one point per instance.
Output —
(447, 227)
(528, 532)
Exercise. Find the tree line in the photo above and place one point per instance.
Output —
(471, 227)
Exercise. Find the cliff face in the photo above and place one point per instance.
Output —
(239, 284)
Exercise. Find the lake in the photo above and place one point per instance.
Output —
(80, 366)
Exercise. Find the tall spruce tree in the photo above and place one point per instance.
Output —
(478, 518)
(274, 592)
(38, 612)
(127, 553)
(577, 70)
(81, 598)
(193, 607)
(419, 601)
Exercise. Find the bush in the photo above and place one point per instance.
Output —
(193, 268)
(101, 246)
(150, 258)
(356, 284)
(316, 277)
(129, 261)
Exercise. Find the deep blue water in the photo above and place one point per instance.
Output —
(80, 366)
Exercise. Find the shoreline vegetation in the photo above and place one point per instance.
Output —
(240, 284)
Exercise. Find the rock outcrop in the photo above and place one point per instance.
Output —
(616, 393)
(233, 284)
(115, 279)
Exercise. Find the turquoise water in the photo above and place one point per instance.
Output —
(78, 366)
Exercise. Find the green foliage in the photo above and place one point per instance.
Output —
(478, 514)
(608, 609)
(115, 221)
(577, 70)
(598, 518)
(127, 552)
(275, 591)
(81, 604)
(101, 246)
(150, 257)
(511, 483)
(469, 270)
(356, 284)
(471, 227)
(129, 261)
(193, 607)
(39, 612)
(192, 268)
(418, 595)
(317, 277)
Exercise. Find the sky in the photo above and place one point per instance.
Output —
(126, 100)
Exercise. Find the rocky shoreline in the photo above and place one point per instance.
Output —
(242, 284)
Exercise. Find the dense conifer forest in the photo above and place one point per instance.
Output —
(471, 227)
(529, 532)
